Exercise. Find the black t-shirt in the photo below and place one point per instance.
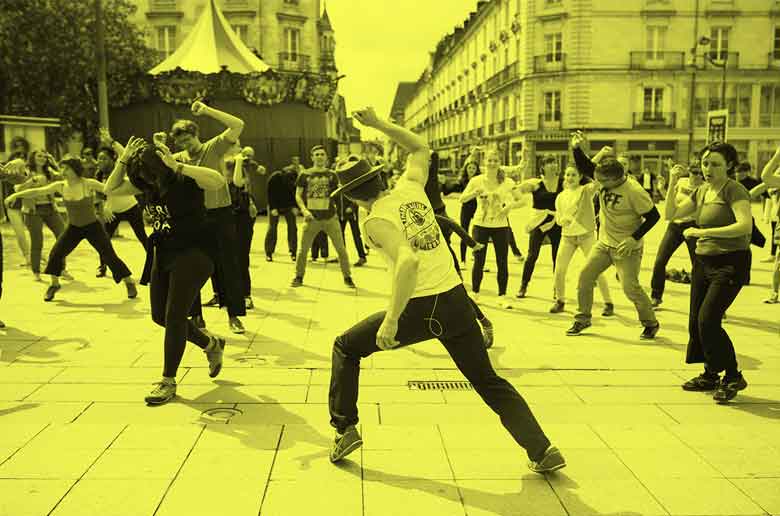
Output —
(178, 218)
(749, 182)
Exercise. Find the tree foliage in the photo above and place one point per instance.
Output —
(48, 64)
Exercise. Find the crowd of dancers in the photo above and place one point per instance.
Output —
(201, 204)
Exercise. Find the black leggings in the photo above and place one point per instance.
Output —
(135, 218)
(172, 293)
(245, 231)
(535, 240)
(465, 220)
(97, 237)
(500, 238)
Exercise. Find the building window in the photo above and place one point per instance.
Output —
(166, 40)
(506, 108)
(552, 106)
(291, 2)
(738, 101)
(553, 45)
(292, 41)
(655, 42)
(242, 31)
(776, 46)
(653, 104)
(769, 107)
(719, 43)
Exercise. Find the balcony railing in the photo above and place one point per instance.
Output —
(654, 60)
(550, 120)
(730, 58)
(774, 60)
(162, 5)
(290, 61)
(769, 119)
(555, 62)
(651, 119)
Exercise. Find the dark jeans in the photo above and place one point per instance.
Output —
(226, 278)
(319, 246)
(715, 283)
(672, 239)
(97, 238)
(500, 237)
(44, 213)
(171, 293)
(245, 231)
(292, 231)
(535, 239)
(354, 227)
(772, 237)
(135, 218)
(449, 318)
(513, 243)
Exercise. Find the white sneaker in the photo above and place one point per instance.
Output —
(504, 302)
(772, 299)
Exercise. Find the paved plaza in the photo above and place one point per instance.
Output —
(77, 439)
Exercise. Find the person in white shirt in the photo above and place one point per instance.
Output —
(575, 213)
(427, 301)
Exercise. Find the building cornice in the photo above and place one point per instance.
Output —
(164, 14)
(297, 18)
(249, 13)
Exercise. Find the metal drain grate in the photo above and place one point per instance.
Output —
(436, 385)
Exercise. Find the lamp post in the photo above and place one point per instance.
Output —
(723, 64)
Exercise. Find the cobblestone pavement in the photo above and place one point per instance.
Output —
(76, 437)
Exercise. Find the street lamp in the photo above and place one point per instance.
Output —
(723, 64)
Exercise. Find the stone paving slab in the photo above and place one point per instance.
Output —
(76, 438)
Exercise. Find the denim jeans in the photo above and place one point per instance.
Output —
(449, 318)
(332, 228)
(715, 283)
(44, 213)
(601, 257)
(672, 239)
(569, 244)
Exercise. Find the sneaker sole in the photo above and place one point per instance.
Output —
(549, 470)
(216, 372)
(159, 402)
(352, 447)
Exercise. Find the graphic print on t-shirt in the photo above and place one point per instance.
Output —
(420, 227)
(492, 204)
(318, 193)
(611, 199)
(161, 218)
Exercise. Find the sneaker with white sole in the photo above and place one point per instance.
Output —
(772, 299)
(552, 460)
(164, 392)
(214, 352)
(345, 444)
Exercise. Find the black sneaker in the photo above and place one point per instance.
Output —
(132, 291)
(609, 310)
(235, 325)
(577, 327)
(361, 262)
(702, 383)
(297, 281)
(552, 460)
(656, 302)
(50, 292)
(521, 292)
(101, 272)
(269, 258)
(162, 393)
(348, 282)
(650, 332)
(728, 388)
(214, 301)
(248, 303)
(214, 352)
(557, 307)
(345, 444)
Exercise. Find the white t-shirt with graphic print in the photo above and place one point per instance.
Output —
(491, 202)
(408, 209)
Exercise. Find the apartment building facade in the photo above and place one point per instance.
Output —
(289, 35)
(526, 73)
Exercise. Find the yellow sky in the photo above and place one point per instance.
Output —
(382, 42)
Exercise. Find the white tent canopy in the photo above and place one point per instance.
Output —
(210, 45)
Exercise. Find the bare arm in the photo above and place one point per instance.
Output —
(757, 190)
(299, 200)
(673, 210)
(770, 174)
(235, 126)
(40, 191)
(387, 237)
(529, 185)
(95, 185)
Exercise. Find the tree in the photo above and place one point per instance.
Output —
(48, 64)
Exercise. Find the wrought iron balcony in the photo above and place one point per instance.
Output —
(716, 60)
(502, 78)
(552, 62)
(290, 61)
(162, 5)
(657, 60)
(550, 120)
(651, 119)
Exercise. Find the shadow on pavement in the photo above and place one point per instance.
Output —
(18, 408)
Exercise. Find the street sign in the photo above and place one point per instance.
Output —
(717, 123)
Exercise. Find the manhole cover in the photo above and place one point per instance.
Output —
(220, 414)
(436, 385)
